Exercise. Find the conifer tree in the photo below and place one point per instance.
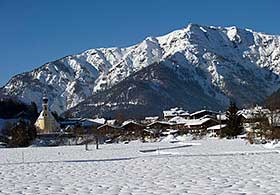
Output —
(234, 122)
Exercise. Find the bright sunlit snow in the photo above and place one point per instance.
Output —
(185, 167)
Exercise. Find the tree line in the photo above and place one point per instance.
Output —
(22, 132)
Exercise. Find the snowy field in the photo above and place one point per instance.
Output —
(189, 167)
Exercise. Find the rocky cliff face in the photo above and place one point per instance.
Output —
(224, 63)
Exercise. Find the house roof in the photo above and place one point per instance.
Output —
(178, 120)
(92, 122)
(160, 122)
(96, 120)
(109, 125)
(175, 112)
(125, 123)
(195, 122)
(112, 121)
(201, 111)
(217, 127)
(152, 118)
(169, 113)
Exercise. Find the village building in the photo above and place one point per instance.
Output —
(178, 122)
(111, 122)
(109, 129)
(70, 123)
(216, 129)
(131, 125)
(150, 119)
(46, 123)
(92, 123)
(159, 125)
(274, 118)
(250, 115)
(168, 114)
(203, 114)
(194, 125)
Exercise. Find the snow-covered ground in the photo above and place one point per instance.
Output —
(190, 167)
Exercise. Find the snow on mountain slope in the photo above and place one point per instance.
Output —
(225, 62)
(146, 93)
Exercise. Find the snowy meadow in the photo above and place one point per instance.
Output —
(210, 166)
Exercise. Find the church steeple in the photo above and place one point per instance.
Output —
(46, 123)
(45, 106)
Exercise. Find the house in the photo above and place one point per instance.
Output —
(203, 114)
(252, 114)
(70, 122)
(111, 122)
(109, 129)
(194, 125)
(131, 125)
(159, 125)
(150, 119)
(216, 129)
(178, 122)
(133, 128)
(88, 122)
(168, 114)
(274, 118)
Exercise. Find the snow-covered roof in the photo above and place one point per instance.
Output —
(188, 122)
(253, 112)
(175, 112)
(111, 122)
(217, 127)
(151, 118)
(96, 120)
(178, 120)
(108, 125)
(92, 122)
(185, 113)
(160, 122)
(195, 122)
(167, 113)
(130, 122)
(201, 111)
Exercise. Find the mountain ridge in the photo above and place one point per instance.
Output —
(222, 60)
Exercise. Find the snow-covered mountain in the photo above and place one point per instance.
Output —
(146, 93)
(224, 62)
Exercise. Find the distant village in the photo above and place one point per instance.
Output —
(174, 121)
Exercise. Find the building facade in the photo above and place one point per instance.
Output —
(46, 123)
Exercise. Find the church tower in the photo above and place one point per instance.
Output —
(46, 123)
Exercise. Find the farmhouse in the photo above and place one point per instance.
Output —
(159, 125)
(200, 124)
(216, 129)
(203, 114)
(131, 125)
(108, 128)
(168, 114)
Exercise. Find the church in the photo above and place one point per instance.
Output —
(46, 123)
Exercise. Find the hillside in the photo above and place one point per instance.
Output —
(226, 63)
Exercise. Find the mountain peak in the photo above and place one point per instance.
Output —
(226, 62)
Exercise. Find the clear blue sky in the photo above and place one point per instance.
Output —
(33, 32)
